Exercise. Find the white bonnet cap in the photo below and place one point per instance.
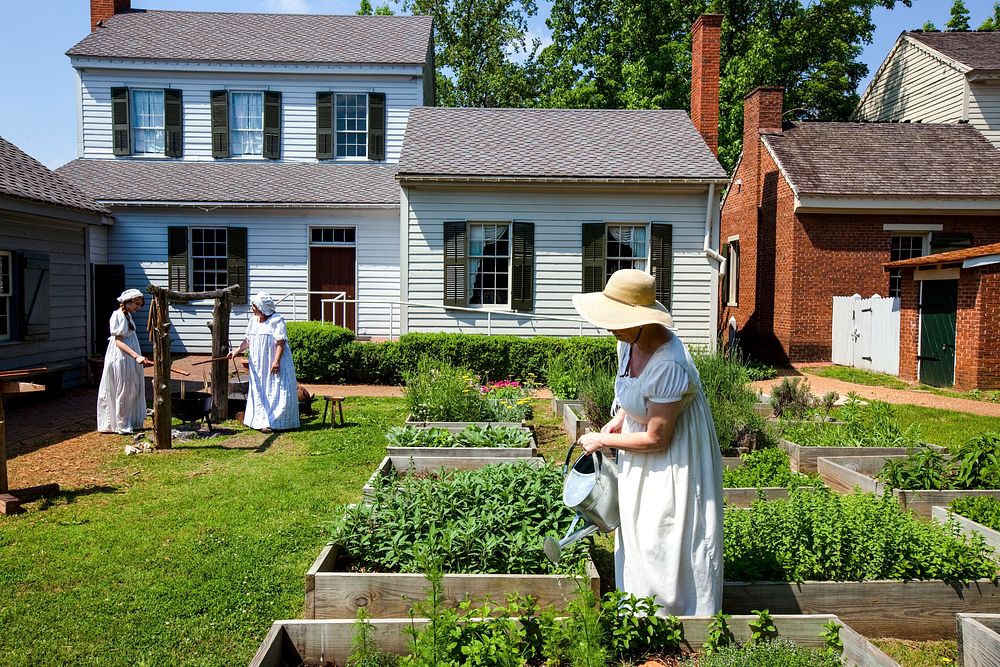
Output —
(129, 294)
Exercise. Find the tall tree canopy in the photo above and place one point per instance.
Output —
(959, 16)
(992, 23)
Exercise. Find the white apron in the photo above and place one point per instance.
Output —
(272, 401)
(669, 544)
(121, 399)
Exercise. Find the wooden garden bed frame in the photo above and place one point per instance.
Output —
(337, 594)
(465, 452)
(978, 640)
(559, 403)
(573, 425)
(403, 464)
(968, 526)
(745, 496)
(843, 473)
(314, 641)
(419, 423)
(803, 458)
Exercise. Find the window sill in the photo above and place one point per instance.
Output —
(148, 156)
(732, 304)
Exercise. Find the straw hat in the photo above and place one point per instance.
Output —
(628, 300)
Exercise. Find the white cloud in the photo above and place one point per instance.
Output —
(287, 6)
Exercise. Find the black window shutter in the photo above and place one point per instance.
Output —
(120, 126)
(725, 276)
(34, 311)
(173, 123)
(272, 125)
(177, 258)
(324, 126)
(455, 266)
(237, 265)
(523, 267)
(220, 123)
(594, 245)
(376, 126)
(662, 256)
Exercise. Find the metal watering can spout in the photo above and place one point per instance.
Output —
(591, 489)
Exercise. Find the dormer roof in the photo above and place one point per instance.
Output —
(260, 38)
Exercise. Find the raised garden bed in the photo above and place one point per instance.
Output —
(978, 640)
(573, 424)
(768, 468)
(437, 446)
(417, 423)
(314, 642)
(332, 592)
(430, 464)
(968, 526)
(843, 473)
(559, 403)
(803, 458)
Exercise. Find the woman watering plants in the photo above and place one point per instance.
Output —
(669, 543)
(121, 399)
(272, 401)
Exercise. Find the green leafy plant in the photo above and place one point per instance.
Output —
(632, 629)
(726, 383)
(871, 425)
(761, 628)
(719, 634)
(769, 653)
(364, 650)
(791, 397)
(766, 468)
(597, 394)
(984, 510)
(471, 436)
(974, 464)
(565, 374)
(831, 638)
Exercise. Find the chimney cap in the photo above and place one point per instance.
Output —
(711, 19)
(765, 89)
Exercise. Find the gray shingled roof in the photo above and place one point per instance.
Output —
(555, 143)
(978, 50)
(24, 177)
(234, 182)
(887, 160)
(293, 38)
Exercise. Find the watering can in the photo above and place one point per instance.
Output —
(590, 489)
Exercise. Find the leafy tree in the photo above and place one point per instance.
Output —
(959, 16)
(929, 26)
(367, 10)
(992, 23)
(636, 54)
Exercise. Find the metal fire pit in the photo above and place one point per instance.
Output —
(194, 406)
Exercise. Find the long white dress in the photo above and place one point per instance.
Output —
(121, 399)
(669, 544)
(272, 401)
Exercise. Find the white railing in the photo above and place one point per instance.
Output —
(866, 333)
(295, 297)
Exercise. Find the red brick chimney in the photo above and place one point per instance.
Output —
(102, 10)
(706, 48)
(761, 111)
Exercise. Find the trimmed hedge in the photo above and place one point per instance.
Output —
(330, 354)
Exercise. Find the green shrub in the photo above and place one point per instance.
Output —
(791, 398)
(768, 653)
(321, 352)
(874, 425)
(564, 374)
(597, 394)
(972, 465)
(765, 468)
(438, 391)
(981, 509)
(471, 436)
(726, 383)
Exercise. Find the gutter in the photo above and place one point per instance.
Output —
(211, 204)
(404, 178)
(709, 226)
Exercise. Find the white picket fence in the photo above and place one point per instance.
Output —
(866, 333)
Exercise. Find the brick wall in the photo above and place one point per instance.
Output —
(101, 10)
(977, 344)
(909, 326)
(706, 47)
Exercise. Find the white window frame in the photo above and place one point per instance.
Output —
(6, 297)
(646, 260)
(925, 242)
(334, 229)
(364, 144)
(133, 127)
(232, 126)
(469, 257)
(733, 271)
(192, 257)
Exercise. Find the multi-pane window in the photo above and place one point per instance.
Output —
(903, 247)
(246, 123)
(332, 236)
(733, 273)
(352, 124)
(626, 248)
(489, 263)
(6, 287)
(147, 122)
(209, 259)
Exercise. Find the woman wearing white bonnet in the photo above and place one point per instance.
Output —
(272, 402)
(121, 399)
(669, 543)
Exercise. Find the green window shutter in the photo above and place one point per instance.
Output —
(177, 258)
(662, 264)
(376, 126)
(120, 127)
(237, 265)
(34, 300)
(523, 267)
(272, 125)
(594, 247)
(455, 265)
(725, 277)
(324, 126)
(220, 123)
(173, 123)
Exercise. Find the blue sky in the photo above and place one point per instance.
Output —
(38, 109)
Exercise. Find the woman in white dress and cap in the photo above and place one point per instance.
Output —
(121, 399)
(669, 543)
(272, 402)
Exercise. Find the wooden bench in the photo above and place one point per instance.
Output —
(50, 376)
(336, 410)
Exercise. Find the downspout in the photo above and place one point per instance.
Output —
(710, 212)
(710, 223)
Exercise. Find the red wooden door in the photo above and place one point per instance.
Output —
(332, 270)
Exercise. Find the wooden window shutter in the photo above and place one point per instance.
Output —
(272, 125)
(237, 264)
(594, 247)
(662, 264)
(177, 258)
(220, 123)
(34, 311)
(324, 126)
(376, 126)
(173, 123)
(725, 276)
(455, 265)
(523, 267)
(120, 122)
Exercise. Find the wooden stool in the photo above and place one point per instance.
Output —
(336, 411)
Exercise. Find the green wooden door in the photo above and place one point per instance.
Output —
(937, 332)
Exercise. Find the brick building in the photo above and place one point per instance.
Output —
(816, 209)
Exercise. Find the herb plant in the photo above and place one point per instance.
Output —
(984, 510)
(771, 653)
(791, 398)
(874, 425)
(471, 436)
(632, 629)
(972, 465)
(821, 536)
(364, 650)
(762, 628)
(765, 468)
(719, 634)
(597, 393)
(726, 381)
(565, 374)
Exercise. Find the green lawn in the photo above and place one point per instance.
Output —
(858, 376)
(946, 427)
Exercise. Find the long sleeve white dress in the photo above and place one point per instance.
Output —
(669, 544)
(121, 399)
(272, 401)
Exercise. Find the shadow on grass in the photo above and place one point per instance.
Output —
(68, 497)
